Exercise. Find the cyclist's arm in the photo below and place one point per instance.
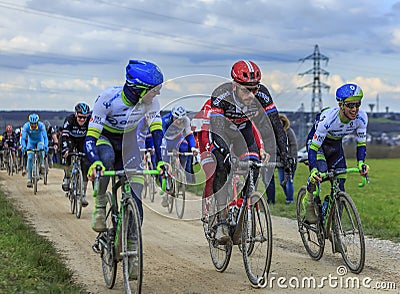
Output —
(361, 137)
(217, 125)
(157, 134)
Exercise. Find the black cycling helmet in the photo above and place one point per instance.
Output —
(82, 108)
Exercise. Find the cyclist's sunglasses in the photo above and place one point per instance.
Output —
(351, 105)
(252, 89)
(145, 89)
(82, 116)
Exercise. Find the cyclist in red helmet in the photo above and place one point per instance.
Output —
(235, 107)
(9, 141)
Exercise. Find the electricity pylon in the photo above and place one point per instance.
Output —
(316, 99)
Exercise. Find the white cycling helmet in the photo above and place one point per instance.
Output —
(178, 112)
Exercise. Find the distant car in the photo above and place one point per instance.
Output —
(302, 155)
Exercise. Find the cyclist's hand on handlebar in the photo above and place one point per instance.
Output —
(264, 156)
(161, 167)
(315, 176)
(195, 151)
(363, 168)
(92, 169)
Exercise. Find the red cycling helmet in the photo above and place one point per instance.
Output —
(8, 129)
(246, 72)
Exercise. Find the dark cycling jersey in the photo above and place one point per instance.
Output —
(229, 115)
(10, 139)
(73, 135)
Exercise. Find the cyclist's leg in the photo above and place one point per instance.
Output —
(107, 156)
(221, 194)
(132, 159)
(40, 146)
(66, 162)
(29, 164)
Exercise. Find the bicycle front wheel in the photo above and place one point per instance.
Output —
(132, 255)
(348, 231)
(78, 193)
(257, 240)
(35, 174)
(108, 258)
(180, 187)
(311, 234)
(72, 193)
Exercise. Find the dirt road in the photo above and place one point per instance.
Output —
(176, 255)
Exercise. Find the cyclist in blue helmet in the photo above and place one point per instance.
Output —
(115, 116)
(325, 150)
(34, 136)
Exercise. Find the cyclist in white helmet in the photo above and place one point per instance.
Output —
(178, 135)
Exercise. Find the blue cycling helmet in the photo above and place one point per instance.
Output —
(178, 112)
(349, 92)
(143, 73)
(33, 118)
(82, 108)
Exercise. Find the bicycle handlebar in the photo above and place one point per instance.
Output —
(334, 173)
(179, 153)
(112, 173)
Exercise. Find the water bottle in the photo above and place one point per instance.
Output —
(325, 205)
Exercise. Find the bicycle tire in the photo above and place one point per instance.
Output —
(257, 240)
(152, 188)
(108, 259)
(46, 170)
(72, 193)
(170, 197)
(180, 191)
(9, 166)
(312, 235)
(348, 230)
(220, 254)
(78, 193)
(132, 254)
(145, 186)
(35, 173)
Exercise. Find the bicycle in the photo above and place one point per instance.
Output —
(177, 191)
(75, 192)
(122, 239)
(149, 180)
(249, 224)
(9, 161)
(35, 168)
(338, 221)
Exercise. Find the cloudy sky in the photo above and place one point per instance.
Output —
(55, 53)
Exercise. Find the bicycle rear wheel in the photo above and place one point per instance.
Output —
(257, 240)
(180, 187)
(108, 259)
(220, 254)
(311, 234)
(78, 191)
(132, 255)
(348, 230)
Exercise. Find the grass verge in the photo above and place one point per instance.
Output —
(28, 262)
